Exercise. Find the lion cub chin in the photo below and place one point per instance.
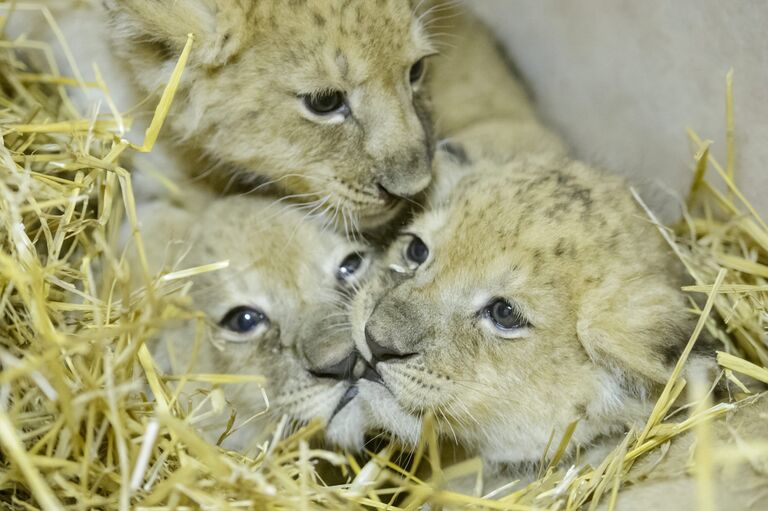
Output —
(535, 296)
(278, 309)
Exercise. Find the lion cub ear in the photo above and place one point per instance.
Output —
(152, 31)
(451, 164)
(635, 327)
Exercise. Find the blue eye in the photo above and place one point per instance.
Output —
(417, 251)
(416, 71)
(350, 266)
(505, 316)
(326, 102)
(243, 319)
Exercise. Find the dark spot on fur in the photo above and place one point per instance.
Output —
(536, 183)
(457, 151)
(613, 241)
(563, 178)
(518, 228)
(671, 352)
(319, 19)
(677, 337)
(425, 118)
(560, 247)
(557, 209)
(583, 195)
(164, 50)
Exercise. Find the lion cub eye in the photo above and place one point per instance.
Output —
(325, 102)
(505, 316)
(417, 71)
(350, 266)
(244, 320)
(417, 251)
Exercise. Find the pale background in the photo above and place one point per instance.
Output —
(621, 80)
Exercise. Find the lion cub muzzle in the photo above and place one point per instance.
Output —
(393, 332)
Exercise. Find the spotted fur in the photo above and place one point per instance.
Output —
(596, 284)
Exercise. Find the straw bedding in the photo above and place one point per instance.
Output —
(78, 428)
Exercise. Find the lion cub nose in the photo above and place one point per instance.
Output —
(406, 176)
(341, 370)
(380, 353)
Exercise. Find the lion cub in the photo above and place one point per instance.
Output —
(278, 310)
(321, 98)
(536, 295)
(330, 102)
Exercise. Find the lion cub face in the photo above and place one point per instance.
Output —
(278, 310)
(320, 98)
(538, 295)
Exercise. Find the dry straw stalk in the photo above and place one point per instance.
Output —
(77, 429)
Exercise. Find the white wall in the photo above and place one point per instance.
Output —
(622, 79)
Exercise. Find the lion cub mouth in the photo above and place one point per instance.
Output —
(362, 196)
(349, 395)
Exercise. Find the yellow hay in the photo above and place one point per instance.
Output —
(78, 431)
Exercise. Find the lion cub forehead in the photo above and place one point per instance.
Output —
(377, 27)
(258, 234)
(429, 224)
(348, 17)
(543, 217)
(525, 195)
(343, 43)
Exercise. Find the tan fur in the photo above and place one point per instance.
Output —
(478, 98)
(480, 103)
(601, 289)
(238, 100)
(271, 268)
(666, 481)
(570, 249)
(240, 97)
